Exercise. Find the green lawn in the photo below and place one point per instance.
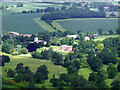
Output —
(85, 72)
(100, 38)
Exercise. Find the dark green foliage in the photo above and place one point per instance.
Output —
(54, 81)
(91, 85)
(72, 12)
(118, 67)
(39, 77)
(94, 62)
(24, 51)
(36, 55)
(58, 58)
(79, 82)
(107, 57)
(23, 74)
(67, 41)
(116, 84)
(31, 47)
(41, 74)
(10, 73)
(5, 58)
(112, 70)
(102, 85)
(7, 48)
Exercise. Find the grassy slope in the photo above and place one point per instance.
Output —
(43, 24)
(33, 64)
(100, 38)
(55, 24)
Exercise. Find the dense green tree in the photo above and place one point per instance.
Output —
(118, 67)
(7, 48)
(112, 70)
(11, 73)
(36, 55)
(107, 57)
(31, 47)
(5, 58)
(94, 62)
(59, 58)
(116, 84)
(24, 51)
(79, 82)
(54, 81)
(41, 74)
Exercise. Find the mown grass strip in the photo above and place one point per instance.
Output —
(43, 24)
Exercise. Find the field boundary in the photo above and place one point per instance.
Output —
(43, 24)
(84, 19)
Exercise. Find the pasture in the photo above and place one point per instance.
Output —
(89, 25)
(33, 64)
(102, 37)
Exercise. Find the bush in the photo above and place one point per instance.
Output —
(24, 51)
(10, 82)
(11, 73)
(23, 84)
(5, 58)
(36, 55)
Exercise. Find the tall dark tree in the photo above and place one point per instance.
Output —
(112, 70)
(31, 47)
(100, 31)
(94, 62)
(41, 74)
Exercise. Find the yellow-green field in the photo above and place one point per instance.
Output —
(43, 24)
(100, 38)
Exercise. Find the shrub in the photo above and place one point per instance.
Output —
(10, 82)
(24, 51)
(5, 58)
(36, 55)
(11, 73)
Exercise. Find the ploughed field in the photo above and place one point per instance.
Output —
(89, 25)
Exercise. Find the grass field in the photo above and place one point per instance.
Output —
(89, 25)
(43, 24)
(33, 64)
(100, 38)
